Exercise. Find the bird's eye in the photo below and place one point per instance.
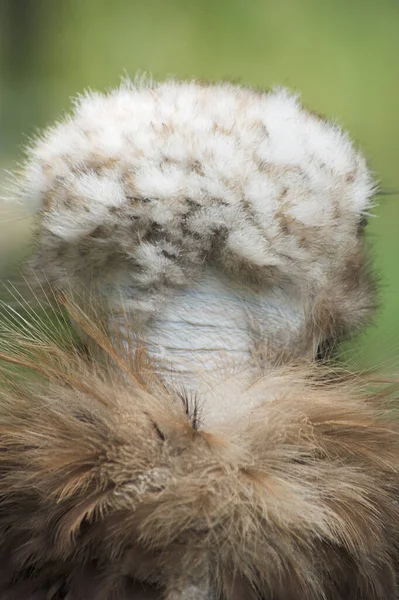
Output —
(158, 431)
(192, 408)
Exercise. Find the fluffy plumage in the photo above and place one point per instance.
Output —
(109, 480)
(196, 452)
(147, 189)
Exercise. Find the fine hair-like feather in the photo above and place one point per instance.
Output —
(195, 443)
(109, 482)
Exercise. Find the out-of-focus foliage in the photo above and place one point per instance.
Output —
(341, 55)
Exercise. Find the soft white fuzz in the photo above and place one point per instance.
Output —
(154, 191)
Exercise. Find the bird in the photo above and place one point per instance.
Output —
(206, 243)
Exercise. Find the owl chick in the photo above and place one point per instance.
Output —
(209, 456)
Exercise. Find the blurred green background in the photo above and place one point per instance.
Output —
(342, 55)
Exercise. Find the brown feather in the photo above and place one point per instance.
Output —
(106, 485)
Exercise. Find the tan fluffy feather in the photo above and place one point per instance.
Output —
(109, 481)
(196, 450)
